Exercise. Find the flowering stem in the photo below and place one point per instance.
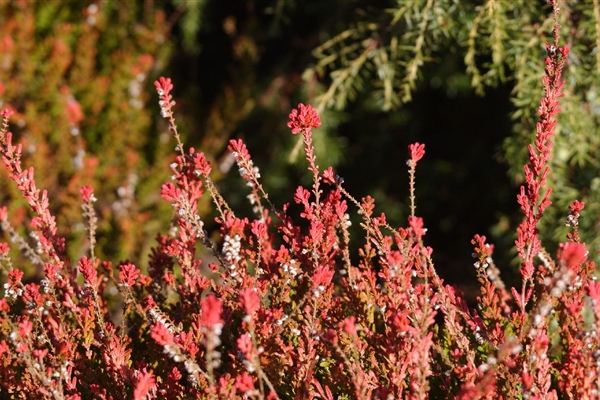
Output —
(417, 151)
(531, 200)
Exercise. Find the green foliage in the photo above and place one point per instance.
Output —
(190, 23)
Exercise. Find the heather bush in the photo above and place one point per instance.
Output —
(81, 101)
(280, 308)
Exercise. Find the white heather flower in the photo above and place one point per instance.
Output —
(231, 249)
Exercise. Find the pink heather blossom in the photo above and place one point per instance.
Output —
(128, 274)
(259, 229)
(4, 249)
(573, 254)
(144, 385)
(416, 223)
(4, 306)
(250, 300)
(369, 334)
(594, 290)
(40, 354)
(303, 118)
(50, 271)
(244, 382)
(482, 249)
(22, 347)
(25, 328)
(576, 207)
(87, 193)
(211, 311)
(88, 270)
(301, 196)
(368, 204)
(322, 276)
(329, 176)
(14, 277)
(6, 113)
(349, 325)
(200, 163)
(161, 334)
(32, 296)
(244, 344)
(417, 151)
(163, 86)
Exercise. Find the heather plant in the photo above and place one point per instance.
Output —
(80, 100)
(279, 308)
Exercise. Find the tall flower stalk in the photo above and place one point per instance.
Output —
(534, 197)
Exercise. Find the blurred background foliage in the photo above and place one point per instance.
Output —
(78, 75)
(461, 76)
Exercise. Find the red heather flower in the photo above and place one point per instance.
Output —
(576, 207)
(87, 194)
(250, 300)
(259, 229)
(349, 326)
(211, 311)
(322, 276)
(22, 348)
(244, 382)
(532, 199)
(6, 113)
(200, 163)
(32, 296)
(244, 344)
(368, 204)
(573, 254)
(301, 196)
(482, 249)
(238, 148)
(417, 151)
(25, 328)
(416, 223)
(40, 354)
(329, 176)
(14, 277)
(161, 334)
(144, 386)
(163, 86)
(169, 192)
(88, 269)
(128, 274)
(303, 118)
(50, 271)
(4, 249)
(4, 307)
